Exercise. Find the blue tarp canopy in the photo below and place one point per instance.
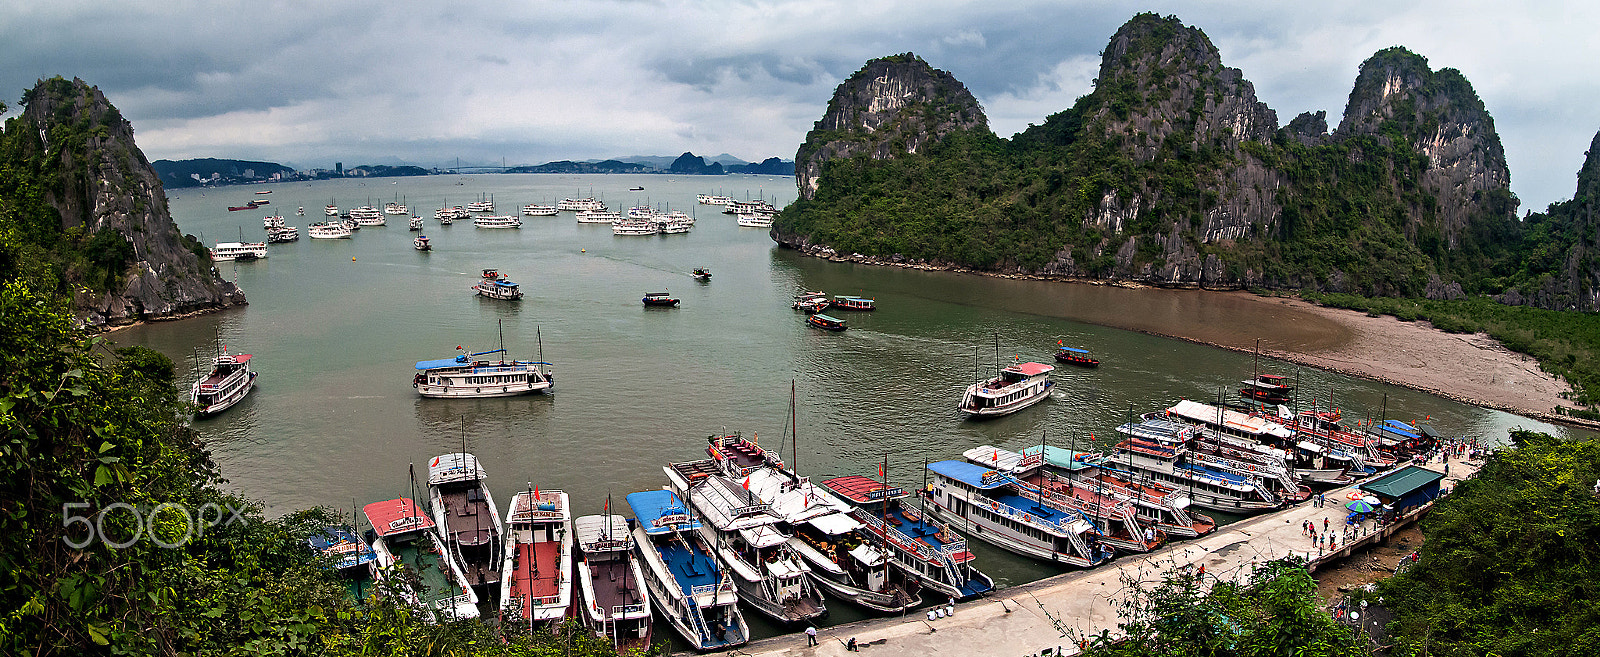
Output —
(967, 473)
(462, 359)
(1076, 351)
(651, 505)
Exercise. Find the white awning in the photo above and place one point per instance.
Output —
(835, 523)
(763, 536)
(867, 555)
(1310, 447)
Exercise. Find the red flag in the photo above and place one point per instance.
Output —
(1058, 343)
(880, 470)
(536, 492)
(608, 505)
(1091, 437)
(747, 482)
(458, 346)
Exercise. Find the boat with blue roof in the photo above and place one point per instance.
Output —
(930, 550)
(1163, 507)
(350, 556)
(693, 592)
(1148, 454)
(1075, 356)
(468, 376)
(1008, 513)
(1115, 521)
(846, 302)
(1015, 388)
(497, 286)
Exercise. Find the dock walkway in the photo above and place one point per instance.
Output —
(1052, 613)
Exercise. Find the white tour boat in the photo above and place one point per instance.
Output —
(225, 251)
(497, 221)
(465, 376)
(633, 227)
(328, 231)
(1018, 386)
(999, 509)
(228, 382)
(577, 204)
(598, 217)
(536, 210)
(755, 220)
(282, 234)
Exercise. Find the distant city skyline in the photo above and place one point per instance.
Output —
(306, 84)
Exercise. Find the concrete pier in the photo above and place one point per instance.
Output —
(1055, 612)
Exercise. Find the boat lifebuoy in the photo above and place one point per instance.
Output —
(1027, 517)
(1252, 468)
(994, 506)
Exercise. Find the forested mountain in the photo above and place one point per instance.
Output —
(1172, 172)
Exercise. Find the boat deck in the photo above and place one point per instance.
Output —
(690, 566)
(1103, 507)
(545, 582)
(467, 516)
(613, 585)
(912, 524)
(431, 569)
(1033, 507)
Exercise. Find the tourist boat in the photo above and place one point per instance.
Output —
(701, 273)
(1073, 356)
(282, 234)
(418, 562)
(536, 579)
(465, 513)
(481, 205)
(349, 223)
(749, 207)
(228, 382)
(811, 302)
(1361, 450)
(931, 551)
(300, 211)
(422, 243)
(769, 576)
(598, 217)
(259, 202)
(368, 216)
(265, 192)
(1160, 506)
(496, 286)
(755, 220)
(331, 210)
(1305, 459)
(999, 510)
(844, 558)
(579, 204)
(536, 210)
(1268, 388)
(641, 212)
(416, 223)
(1116, 521)
(273, 221)
(350, 556)
(660, 299)
(1017, 387)
(709, 199)
(463, 376)
(852, 303)
(688, 587)
(328, 231)
(1149, 456)
(392, 208)
(629, 227)
(825, 322)
(243, 251)
(670, 225)
(611, 589)
(496, 221)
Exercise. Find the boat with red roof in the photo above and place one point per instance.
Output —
(1017, 387)
(931, 551)
(414, 558)
(229, 381)
(536, 578)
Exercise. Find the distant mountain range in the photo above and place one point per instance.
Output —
(213, 171)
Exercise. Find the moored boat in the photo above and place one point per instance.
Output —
(496, 221)
(283, 234)
(418, 561)
(1017, 387)
(1164, 507)
(416, 223)
(272, 221)
(331, 230)
(598, 217)
(1002, 511)
(422, 243)
(464, 511)
(1267, 388)
(1116, 521)
(536, 210)
(464, 376)
(610, 587)
(350, 556)
(634, 227)
(579, 204)
(811, 302)
(228, 382)
(825, 322)
(931, 551)
(755, 220)
(846, 302)
(691, 591)
(497, 286)
(536, 578)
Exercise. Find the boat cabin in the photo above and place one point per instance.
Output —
(1079, 357)
(825, 322)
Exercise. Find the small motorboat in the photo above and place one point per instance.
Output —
(422, 243)
(660, 299)
(1077, 357)
(822, 321)
(811, 302)
(701, 273)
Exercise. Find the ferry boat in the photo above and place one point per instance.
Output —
(228, 382)
(536, 210)
(825, 322)
(611, 589)
(351, 557)
(536, 578)
(755, 220)
(1163, 507)
(463, 376)
(496, 221)
(660, 299)
(367, 216)
(283, 234)
(422, 243)
(598, 217)
(844, 558)
(480, 206)
(1147, 456)
(852, 303)
(688, 587)
(769, 576)
(627, 227)
(272, 221)
(465, 513)
(701, 273)
(416, 223)
(811, 302)
(668, 225)
(1306, 460)
(1268, 388)
(578, 204)
(418, 562)
(998, 509)
(708, 199)
(1116, 521)
(1073, 356)
(328, 231)
(393, 208)
(1017, 387)
(933, 552)
(331, 210)
(496, 286)
(243, 251)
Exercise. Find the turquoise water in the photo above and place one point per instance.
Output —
(336, 326)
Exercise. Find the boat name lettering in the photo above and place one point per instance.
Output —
(671, 519)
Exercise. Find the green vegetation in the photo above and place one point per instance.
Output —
(1275, 613)
(1509, 566)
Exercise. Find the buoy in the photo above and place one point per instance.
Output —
(583, 250)
(352, 259)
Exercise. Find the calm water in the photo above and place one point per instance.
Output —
(336, 326)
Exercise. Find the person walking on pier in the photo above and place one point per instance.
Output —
(811, 635)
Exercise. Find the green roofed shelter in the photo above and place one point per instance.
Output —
(1409, 486)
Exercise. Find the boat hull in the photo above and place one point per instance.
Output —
(995, 536)
(228, 400)
(464, 392)
(997, 411)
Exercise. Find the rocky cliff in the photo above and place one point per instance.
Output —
(892, 106)
(91, 204)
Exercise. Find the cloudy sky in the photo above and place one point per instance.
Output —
(308, 82)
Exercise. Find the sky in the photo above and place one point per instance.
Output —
(308, 83)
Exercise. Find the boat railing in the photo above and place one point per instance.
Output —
(1028, 518)
(618, 611)
(899, 538)
(545, 601)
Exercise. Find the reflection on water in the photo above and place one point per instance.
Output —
(335, 422)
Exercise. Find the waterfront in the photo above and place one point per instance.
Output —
(337, 324)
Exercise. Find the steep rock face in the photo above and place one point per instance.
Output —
(1442, 118)
(103, 181)
(1571, 232)
(892, 106)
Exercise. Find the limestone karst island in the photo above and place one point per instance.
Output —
(1159, 374)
